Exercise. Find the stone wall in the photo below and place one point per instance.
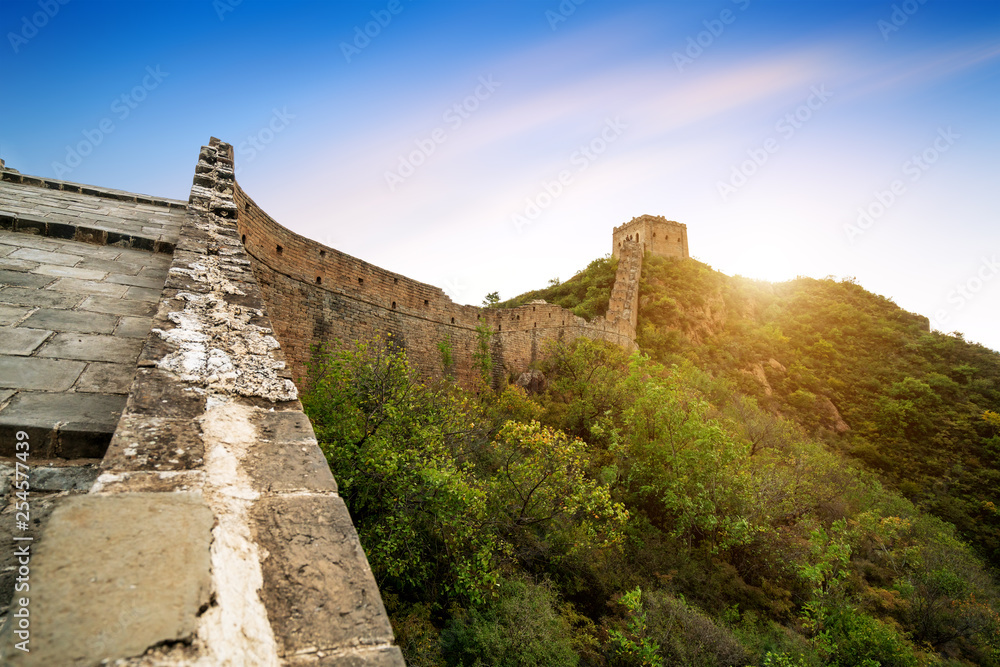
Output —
(214, 534)
(317, 294)
(657, 235)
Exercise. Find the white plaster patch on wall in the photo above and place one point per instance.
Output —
(216, 346)
(235, 631)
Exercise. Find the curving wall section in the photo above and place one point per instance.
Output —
(316, 294)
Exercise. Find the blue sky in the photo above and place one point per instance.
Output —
(793, 138)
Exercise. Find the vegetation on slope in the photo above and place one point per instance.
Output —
(637, 514)
(851, 368)
(586, 294)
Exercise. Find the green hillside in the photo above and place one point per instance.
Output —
(791, 474)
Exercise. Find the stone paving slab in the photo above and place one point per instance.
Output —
(41, 374)
(65, 369)
(143, 294)
(105, 378)
(23, 296)
(134, 327)
(22, 279)
(101, 209)
(73, 425)
(91, 347)
(12, 314)
(74, 321)
(152, 282)
(45, 256)
(130, 593)
(77, 286)
(58, 271)
(17, 264)
(103, 304)
(108, 266)
(21, 342)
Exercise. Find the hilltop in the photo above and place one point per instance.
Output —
(786, 474)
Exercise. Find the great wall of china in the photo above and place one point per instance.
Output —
(194, 520)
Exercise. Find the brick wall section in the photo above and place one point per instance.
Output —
(315, 293)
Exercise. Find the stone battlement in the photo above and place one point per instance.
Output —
(316, 294)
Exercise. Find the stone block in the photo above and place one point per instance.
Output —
(21, 341)
(105, 378)
(22, 296)
(144, 294)
(77, 286)
(46, 257)
(89, 347)
(159, 393)
(318, 588)
(82, 424)
(287, 457)
(150, 282)
(103, 304)
(11, 314)
(134, 327)
(135, 583)
(71, 321)
(360, 656)
(34, 373)
(58, 271)
(153, 443)
(22, 279)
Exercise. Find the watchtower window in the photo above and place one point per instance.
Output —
(319, 280)
(361, 281)
(395, 280)
(426, 302)
(243, 239)
(394, 305)
(453, 320)
(322, 253)
(279, 249)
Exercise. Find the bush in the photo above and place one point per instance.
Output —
(521, 628)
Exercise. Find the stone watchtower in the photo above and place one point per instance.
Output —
(654, 233)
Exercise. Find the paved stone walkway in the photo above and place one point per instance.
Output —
(109, 212)
(73, 317)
